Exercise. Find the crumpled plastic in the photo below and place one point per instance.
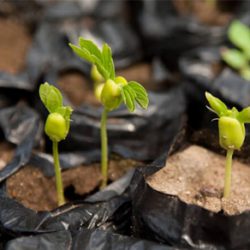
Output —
(85, 239)
(21, 126)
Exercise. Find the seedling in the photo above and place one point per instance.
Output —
(238, 59)
(112, 92)
(56, 127)
(231, 132)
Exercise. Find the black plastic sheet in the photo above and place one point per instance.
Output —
(166, 219)
(59, 240)
(50, 50)
(83, 240)
(21, 126)
(199, 76)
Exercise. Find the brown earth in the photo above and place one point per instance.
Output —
(15, 42)
(30, 187)
(6, 153)
(140, 72)
(196, 176)
(77, 88)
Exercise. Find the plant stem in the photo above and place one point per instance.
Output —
(59, 184)
(228, 173)
(104, 146)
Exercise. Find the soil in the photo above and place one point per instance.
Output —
(30, 187)
(15, 42)
(77, 88)
(6, 154)
(205, 11)
(142, 73)
(196, 176)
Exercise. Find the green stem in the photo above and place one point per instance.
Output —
(104, 146)
(228, 173)
(59, 184)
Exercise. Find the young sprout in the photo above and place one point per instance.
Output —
(231, 132)
(238, 59)
(110, 89)
(56, 128)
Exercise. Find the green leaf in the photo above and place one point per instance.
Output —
(84, 54)
(141, 94)
(107, 61)
(103, 71)
(91, 53)
(128, 98)
(66, 112)
(244, 115)
(90, 47)
(234, 58)
(239, 35)
(216, 104)
(50, 96)
(93, 58)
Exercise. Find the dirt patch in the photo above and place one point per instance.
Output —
(205, 11)
(143, 73)
(140, 72)
(77, 88)
(35, 191)
(6, 153)
(15, 42)
(196, 176)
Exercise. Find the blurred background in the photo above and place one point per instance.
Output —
(172, 47)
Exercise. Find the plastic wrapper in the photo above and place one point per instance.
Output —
(50, 50)
(84, 240)
(15, 87)
(20, 126)
(203, 70)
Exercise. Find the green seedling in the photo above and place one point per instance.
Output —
(231, 132)
(110, 89)
(239, 57)
(56, 128)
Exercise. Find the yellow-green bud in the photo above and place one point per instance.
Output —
(121, 80)
(95, 75)
(216, 104)
(231, 133)
(111, 95)
(56, 127)
(98, 87)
